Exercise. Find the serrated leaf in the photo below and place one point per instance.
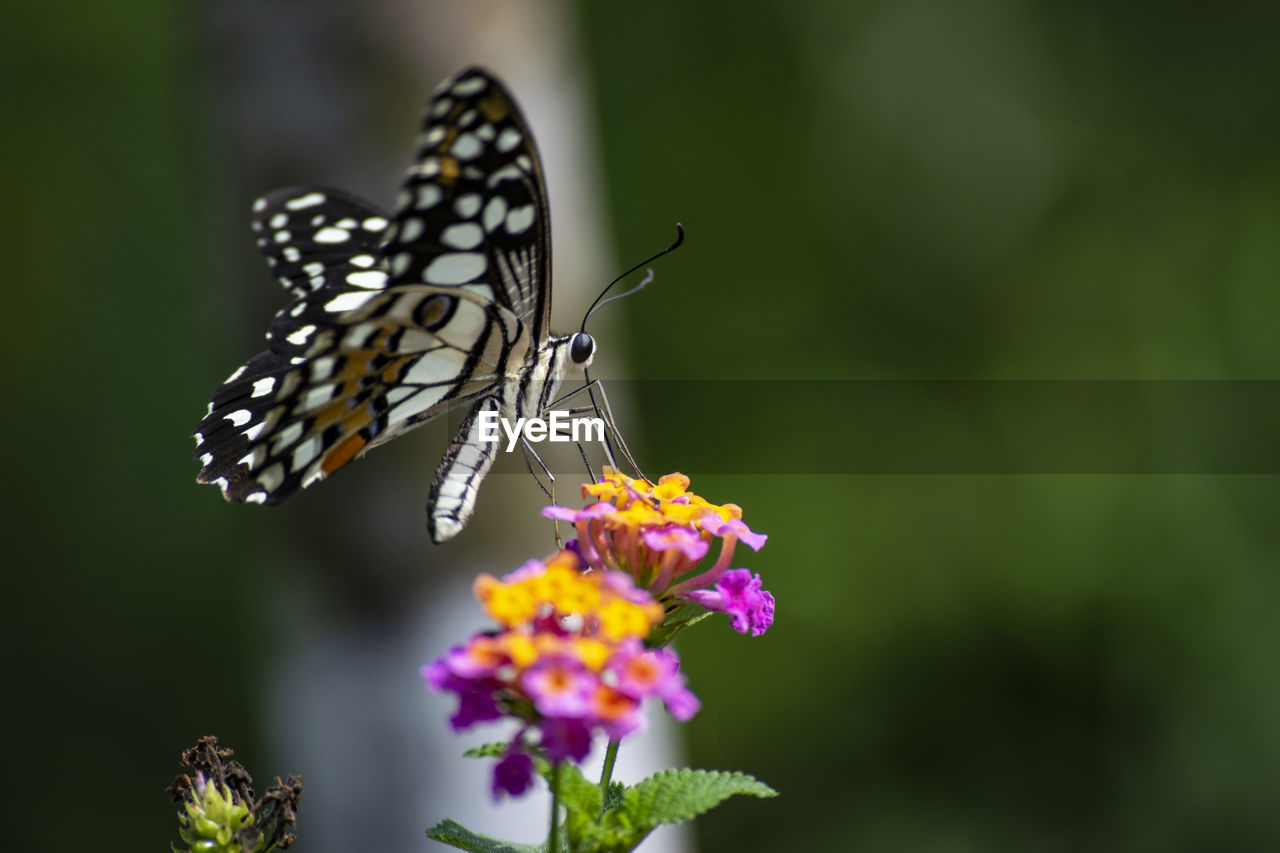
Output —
(613, 797)
(673, 796)
(456, 835)
(576, 793)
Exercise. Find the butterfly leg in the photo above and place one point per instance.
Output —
(605, 413)
(550, 489)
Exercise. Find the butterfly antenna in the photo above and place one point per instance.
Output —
(644, 282)
(598, 304)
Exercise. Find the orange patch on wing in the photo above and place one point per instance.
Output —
(495, 107)
(343, 453)
(449, 170)
(436, 306)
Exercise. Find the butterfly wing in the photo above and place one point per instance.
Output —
(391, 323)
(473, 208)
(478, 196)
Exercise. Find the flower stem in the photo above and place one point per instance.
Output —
(553, 838)
(610, 756)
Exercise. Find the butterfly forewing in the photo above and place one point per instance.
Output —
(473, 209)
(392, 322)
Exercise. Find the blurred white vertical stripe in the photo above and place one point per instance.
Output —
(305, 86)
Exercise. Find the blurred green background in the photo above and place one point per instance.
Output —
(906, 189)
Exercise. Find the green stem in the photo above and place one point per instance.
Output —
(610, 756)
(553, 838)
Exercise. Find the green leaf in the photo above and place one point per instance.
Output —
(663, 634)
(673, 796)
(456, 835)
(499, 750)
(577, 794)
(487, 750)
(613, 797)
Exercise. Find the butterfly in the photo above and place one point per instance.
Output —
(397, 319)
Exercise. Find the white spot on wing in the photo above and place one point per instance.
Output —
(256, 498)
(468, 87)
(416, 404)
(254, 431)
(305, 201)
(362, 261)
(304, 453)
(272, 477)
(519, 219)
(429, 195)
(466, 147)
(467, 205)
(374, 223)
(463, 235)
(332, 235)
(395, 395)
(454, 268)
(287, 436)
(373, 279)
(317, 397)
(349, 301)
(263, 386)
(299, 337)
(321, 369)
(494, 213)
(411, 230)
(234, 375)
(436, 367)
(508, 139)
(252, 459)
(239, 417)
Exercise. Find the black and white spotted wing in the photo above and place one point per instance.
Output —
(394, 320)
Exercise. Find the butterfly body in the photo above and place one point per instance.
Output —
(397, 319)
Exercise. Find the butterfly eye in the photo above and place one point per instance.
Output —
(581, 349)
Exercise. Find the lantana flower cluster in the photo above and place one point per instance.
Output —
(659, 534)
(569, 661)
